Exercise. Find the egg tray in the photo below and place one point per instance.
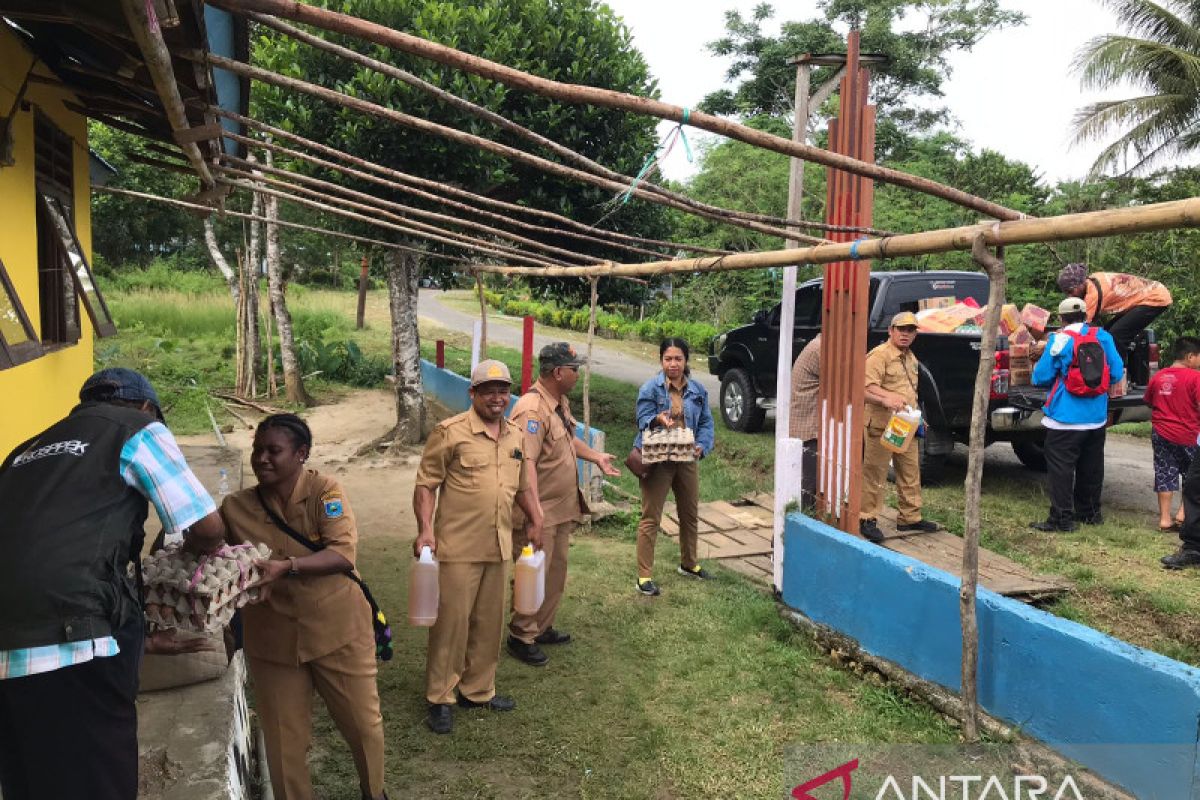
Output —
(199, 593)
(668, 444)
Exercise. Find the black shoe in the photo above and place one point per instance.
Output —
(552, 636)
(440, 718)
(497, 703)
(648, 588)
(1094, 519)
(1054, 527)
(698, 572)
(921, 526)
(529, 654)
(869, 530)
(1182, 559)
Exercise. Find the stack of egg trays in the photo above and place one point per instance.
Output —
(668, 444)
(199, 593)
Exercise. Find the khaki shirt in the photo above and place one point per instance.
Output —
(311, 616)
(892, 371)
(550, 445)
(477, 479)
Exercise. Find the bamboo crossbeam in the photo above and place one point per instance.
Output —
(402, 209)
(503, 123)
(407, 230)
(206, 210)
(471, 140)
(1111, 222)
(622, 240)
(410, 226)
(413, 45)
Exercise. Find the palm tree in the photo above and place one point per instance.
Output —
(1159, 54)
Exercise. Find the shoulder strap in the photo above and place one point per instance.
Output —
(1099, 296)
(283, 526)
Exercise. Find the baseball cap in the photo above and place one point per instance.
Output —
(490, 371)
(1072, 305)
(119, 383)
(559, 354)
(904, 319)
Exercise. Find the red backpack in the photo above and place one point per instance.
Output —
(1088, 374)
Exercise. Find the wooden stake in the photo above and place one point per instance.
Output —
(587, 368)
(997, 278)
(404, 180)
(482, 316)
(1111, 222)
(606, 98)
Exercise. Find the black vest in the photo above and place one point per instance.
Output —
(69, 527)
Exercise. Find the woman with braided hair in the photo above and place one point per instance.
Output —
(313, 629)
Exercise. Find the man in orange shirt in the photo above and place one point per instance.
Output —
(1132, 302)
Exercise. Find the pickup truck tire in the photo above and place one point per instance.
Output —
(1031, 453)
(739, 403)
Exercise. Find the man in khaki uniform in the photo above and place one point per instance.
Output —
(551, 446)
(472, 470)
(891, 385)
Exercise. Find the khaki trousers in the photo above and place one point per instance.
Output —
(683, 478)
(556, 544)
(345, 679)
(907, 466)
(464, 643)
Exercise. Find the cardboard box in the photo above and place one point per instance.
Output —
(934, 302)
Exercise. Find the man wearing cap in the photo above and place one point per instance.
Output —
(550, 445)
(75, 499)
(1076, 424)
(1132, 302)
(891, 386)
(472, 469)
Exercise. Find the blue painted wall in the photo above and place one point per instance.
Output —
(450, 389)
(1131, 715)
(220, 27)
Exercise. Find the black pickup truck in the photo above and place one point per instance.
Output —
(745, 360)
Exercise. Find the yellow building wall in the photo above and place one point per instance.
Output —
(37, 393)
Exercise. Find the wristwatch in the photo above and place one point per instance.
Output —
(293, 570)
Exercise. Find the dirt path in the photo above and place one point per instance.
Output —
(607, 361)
(378, 487)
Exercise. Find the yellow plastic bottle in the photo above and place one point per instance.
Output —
(423, 591)
(529, 581)
(901, 429)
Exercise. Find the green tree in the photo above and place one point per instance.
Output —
(1160, 55)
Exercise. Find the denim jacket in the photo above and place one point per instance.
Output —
(653, 400)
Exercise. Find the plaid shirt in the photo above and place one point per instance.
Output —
(152, 464)
(806, 383)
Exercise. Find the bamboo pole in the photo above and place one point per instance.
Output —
(417, 212)
(1110, 222)
(394, 185)
(607, 98)
(997, 278)
(478, 142)
(206, 210)
(404, 179)
(379, 223)
(568, 155)
(587, 367)
(146, 32)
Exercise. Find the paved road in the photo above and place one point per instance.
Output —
(606, 361)
(1129, 469)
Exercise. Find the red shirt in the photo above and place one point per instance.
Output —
(1174, 399)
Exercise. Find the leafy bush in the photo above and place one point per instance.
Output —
(341, 361)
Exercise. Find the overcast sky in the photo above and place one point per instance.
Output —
(1013, 93)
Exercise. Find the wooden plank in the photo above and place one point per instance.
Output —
(744, 517)
(198, 133)
(765, 563)
(765, 500)
(943, 551)
(749, 570)
(717, 545)
(717, 519)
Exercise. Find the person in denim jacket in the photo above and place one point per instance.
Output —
(671, 399)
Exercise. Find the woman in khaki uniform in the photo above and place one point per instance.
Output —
(313, 628)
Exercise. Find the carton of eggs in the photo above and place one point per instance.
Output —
(199, 593)
(668, 444)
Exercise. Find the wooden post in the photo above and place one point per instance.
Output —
(994, 267)
(362, 294)
(590, 478)
(527, 354)
(482, 315)
(440, 351)
(587, 367)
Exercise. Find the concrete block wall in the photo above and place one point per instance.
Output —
(1130, 715)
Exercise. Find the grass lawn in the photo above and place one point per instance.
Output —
(693, 694)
